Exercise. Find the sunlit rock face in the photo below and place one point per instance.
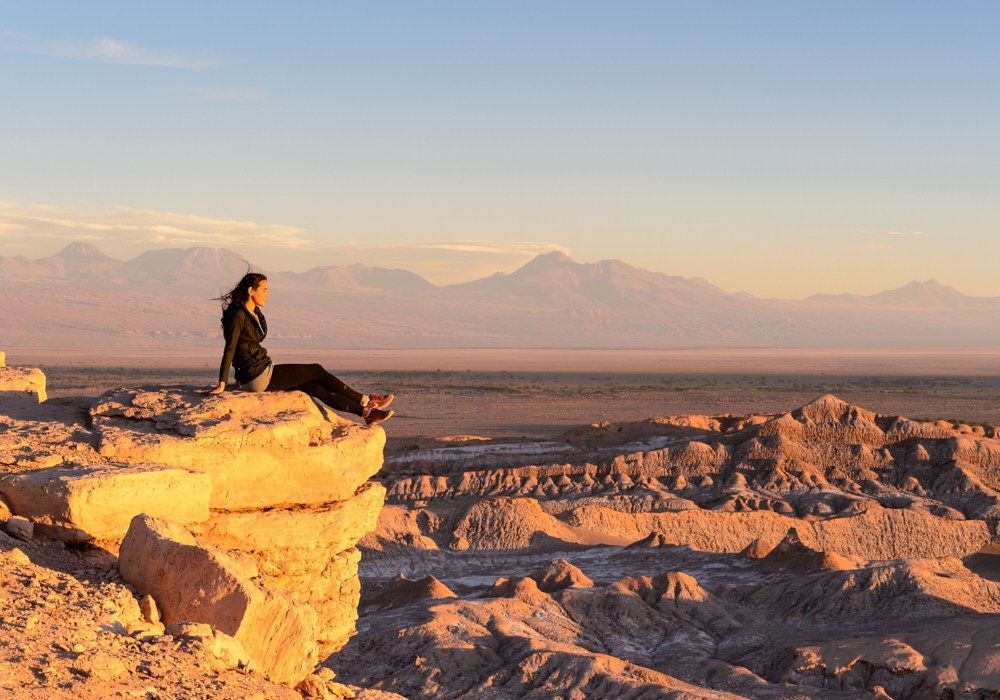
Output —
(240, 510)
(21, 383)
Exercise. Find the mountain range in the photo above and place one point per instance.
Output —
(80, 296)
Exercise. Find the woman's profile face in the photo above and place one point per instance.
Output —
(258, 294)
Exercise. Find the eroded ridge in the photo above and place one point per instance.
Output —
(824, 552)
(238, 514)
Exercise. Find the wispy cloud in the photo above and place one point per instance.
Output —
(531, 248)
(101, 49)
(891, 233)
(124, 226)
(37, 230)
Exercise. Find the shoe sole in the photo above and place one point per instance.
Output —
(381, 419)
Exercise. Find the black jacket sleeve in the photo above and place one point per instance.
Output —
(231, 327)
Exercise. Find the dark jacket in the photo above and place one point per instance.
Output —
(244, 333)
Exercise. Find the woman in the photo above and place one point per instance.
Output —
(244, 327)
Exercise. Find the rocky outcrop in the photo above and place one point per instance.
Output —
(852, 482)
(78, 503)
(289, 485)
(240, 511)
(21, 384)
(196, 584)
(259, 450)
(750, 542)
(308, 553)
(876, 533)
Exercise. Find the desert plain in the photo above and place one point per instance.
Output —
(782, 524)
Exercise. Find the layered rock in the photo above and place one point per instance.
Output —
(241, 510)
(308, 553)
(260, 450)
(288, 484)
(853, 482)
(79, 503)
(751, 543)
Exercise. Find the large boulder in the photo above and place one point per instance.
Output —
(191, 583)
(79, 503)
(260, 450)
(22, 384)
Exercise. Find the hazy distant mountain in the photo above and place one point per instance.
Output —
(551, 301)
(929, 295)
(171, 266)
(555, 276)
(20, 267)
(210, 268)
(77, 260)
(358, 277)
(80, 260)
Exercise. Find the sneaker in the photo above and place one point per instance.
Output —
(376, 401)
(376, 416)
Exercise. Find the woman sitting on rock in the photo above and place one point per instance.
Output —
(244, 327)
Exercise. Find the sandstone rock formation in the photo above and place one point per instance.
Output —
(78, 503)
(21, 384)
(826, 552)
(288, 485)
(856, 483)
(196, 584)
(70, 632)
(243, 442)
(240, 511)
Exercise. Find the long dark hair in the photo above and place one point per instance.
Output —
(241, 292)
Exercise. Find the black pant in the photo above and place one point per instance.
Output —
(317, 382)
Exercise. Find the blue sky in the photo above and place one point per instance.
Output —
(781, 148)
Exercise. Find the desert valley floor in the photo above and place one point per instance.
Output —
(644, 535)
(512, 404)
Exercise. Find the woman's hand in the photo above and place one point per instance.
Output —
(217, 390)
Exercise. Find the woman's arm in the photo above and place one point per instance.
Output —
(231, 329)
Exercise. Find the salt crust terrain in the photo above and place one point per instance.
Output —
(160, 543)
(824, 552)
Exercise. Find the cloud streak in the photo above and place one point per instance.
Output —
(124, 226)
(891, 233)
(531, 248)
(103, 50)
(37, 230)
